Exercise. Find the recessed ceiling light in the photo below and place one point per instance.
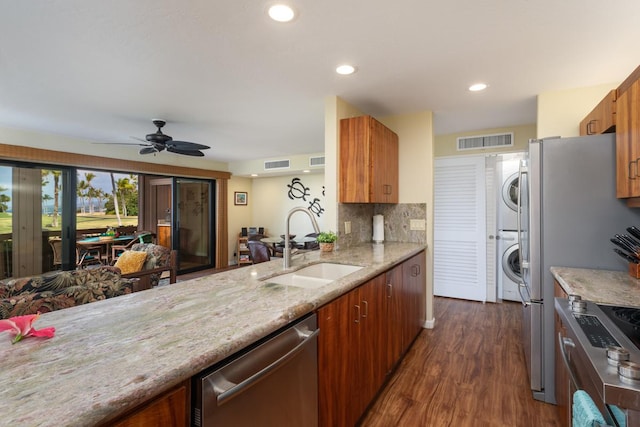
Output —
(477, 87)
(346, 69)
(281, 13)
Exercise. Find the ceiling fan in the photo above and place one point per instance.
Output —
(158, 141)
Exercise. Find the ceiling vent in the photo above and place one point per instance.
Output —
(485, 141)
(276, 164)
(316, 161)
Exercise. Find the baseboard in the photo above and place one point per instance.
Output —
(429, 324)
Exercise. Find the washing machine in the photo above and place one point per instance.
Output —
(508, 166)
(509, 272)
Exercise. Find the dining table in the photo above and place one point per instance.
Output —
(104, 243)
(275, 241)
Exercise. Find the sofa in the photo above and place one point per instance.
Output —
(159, 259)
(61, 289)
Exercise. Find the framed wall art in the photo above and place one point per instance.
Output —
(240, 198)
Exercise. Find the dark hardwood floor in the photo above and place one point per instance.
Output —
(467, 371)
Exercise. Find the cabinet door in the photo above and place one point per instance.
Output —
(384, 164)
(170, 409)
(628, 143)
(394, 296)
(561, 375)
(602, 118)
(373, 337)
(338, 361)
(414, 283)
(355, 150)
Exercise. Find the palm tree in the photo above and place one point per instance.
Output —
(125, 187)
(81, 189)
(115, 199)
(89, 176)
(4, 200)
(56, 192)
(45, 199)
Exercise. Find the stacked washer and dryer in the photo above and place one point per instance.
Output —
(509, 274)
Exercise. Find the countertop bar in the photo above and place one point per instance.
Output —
(108, 357)
(599, 286)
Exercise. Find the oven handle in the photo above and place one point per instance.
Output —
(564, 342)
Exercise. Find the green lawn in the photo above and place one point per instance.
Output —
(84, 222)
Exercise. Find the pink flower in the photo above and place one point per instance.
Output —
(22, 326)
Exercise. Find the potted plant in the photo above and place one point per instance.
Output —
(326, 239)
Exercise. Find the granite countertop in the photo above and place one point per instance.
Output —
(107, 357)
(600, 286)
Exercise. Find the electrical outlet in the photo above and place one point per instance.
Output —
(347, 227)
(417, 224)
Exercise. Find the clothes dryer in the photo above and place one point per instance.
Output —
(508, 166)
(509, 272)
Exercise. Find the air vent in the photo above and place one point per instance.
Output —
(276, 164)
(316, 161)
(485, 141)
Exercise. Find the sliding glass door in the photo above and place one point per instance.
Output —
(193, 223)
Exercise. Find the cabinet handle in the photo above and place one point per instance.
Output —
(357, 307)
(633, 175)
(589, 130)
(389, 290)
(415, 270)
(366, 308)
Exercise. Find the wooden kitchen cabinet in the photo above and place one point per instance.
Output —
(628, 138)
(368, 161)
(364, 334)
(168, 409)
(413, 283)
(562, 381)
(602, 119)
(164, 235)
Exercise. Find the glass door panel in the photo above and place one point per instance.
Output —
(193, 224)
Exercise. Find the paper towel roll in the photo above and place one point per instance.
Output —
(378, 228)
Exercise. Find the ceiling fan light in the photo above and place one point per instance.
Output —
(345, 69)
(281, 13)
(477, 87)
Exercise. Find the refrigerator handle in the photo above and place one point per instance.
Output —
(523, 170)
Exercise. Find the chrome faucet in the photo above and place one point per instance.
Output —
(286, 253)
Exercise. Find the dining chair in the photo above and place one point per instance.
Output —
(87, 255)
(259, 251)
(56, 248)
(139, 237)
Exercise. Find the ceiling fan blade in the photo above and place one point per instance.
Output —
(148, 150)
(184, 145)
(140, 139)
(195, 153)
(122, 143)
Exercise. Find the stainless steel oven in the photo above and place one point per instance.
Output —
(601, 359)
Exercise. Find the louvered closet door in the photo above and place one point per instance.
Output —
(460, 228)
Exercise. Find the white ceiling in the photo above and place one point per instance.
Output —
(223, 74)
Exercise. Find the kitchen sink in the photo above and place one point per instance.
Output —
(314, 276)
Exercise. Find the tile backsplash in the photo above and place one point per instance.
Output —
(396, 222)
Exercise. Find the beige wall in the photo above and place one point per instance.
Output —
(446, 145)
(560, 112)
(239, 216)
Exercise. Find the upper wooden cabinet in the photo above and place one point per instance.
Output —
(602, 119)
(628, 138)
(368, 161)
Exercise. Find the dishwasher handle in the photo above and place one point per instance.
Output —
(225, 389)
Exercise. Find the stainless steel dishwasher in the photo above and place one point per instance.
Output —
(273, 383)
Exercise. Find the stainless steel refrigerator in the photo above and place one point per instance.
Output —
(568, 213)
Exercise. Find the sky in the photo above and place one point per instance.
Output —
(101, 181)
